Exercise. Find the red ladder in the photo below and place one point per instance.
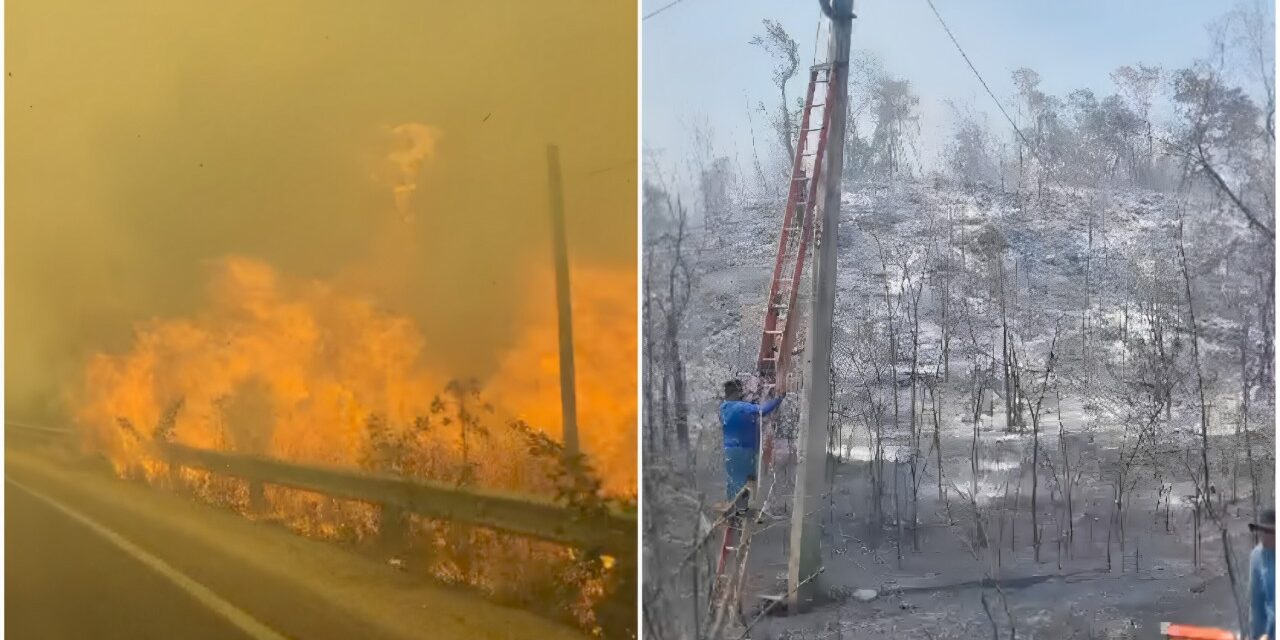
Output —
(780, 324)
(795, 236)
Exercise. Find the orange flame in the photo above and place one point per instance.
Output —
(527, 383)
(296, 370)
(302, 365)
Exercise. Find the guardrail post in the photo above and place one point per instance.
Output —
(173, 475)
(257, 497)
(391, 526)
(617, 612)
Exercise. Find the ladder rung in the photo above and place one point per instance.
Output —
(773, 332)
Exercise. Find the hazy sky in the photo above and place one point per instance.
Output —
(698, 65)
(147, 139)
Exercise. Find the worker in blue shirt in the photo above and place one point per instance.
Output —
(1262, 578)
(741, 423)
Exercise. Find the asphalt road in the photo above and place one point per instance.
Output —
(63, 580)
(91, 556)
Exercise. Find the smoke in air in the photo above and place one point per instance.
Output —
(417, 144)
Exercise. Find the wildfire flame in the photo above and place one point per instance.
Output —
(299, 363)
(316, 372)
(527, 383)
(296, 370)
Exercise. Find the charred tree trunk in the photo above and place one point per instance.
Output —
(916, 428)
(897, 510)
(977, 423)
(665, 402)
(679, 390)
(1035, 487)
(650, 361)
(1243, 437)
(937, 447)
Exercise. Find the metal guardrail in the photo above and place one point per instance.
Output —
(36, 430)
(613, 533)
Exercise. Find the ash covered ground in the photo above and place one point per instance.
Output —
(1093, 276)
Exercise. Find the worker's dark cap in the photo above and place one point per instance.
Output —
(1266, 522)
(732, 387)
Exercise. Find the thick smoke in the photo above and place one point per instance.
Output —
(418, 144)
(146, 145)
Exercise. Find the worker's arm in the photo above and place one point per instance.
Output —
(768, 407)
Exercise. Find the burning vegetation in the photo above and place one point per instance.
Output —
(306, 372)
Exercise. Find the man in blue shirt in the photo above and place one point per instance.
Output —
(741, 423)
(1262, 578)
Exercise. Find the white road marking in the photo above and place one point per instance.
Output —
(201, 593)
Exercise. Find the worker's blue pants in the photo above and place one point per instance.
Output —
(739, 466)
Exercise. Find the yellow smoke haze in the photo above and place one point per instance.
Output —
(208, 202)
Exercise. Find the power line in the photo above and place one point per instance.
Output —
(664, 8)
(979, 76)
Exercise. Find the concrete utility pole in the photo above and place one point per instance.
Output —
(815, 414)
(564, 307)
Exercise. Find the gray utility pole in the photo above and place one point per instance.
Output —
(564, 306)
(815, 414)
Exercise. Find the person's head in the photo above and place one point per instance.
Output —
(1265, 527)
(733, 390)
